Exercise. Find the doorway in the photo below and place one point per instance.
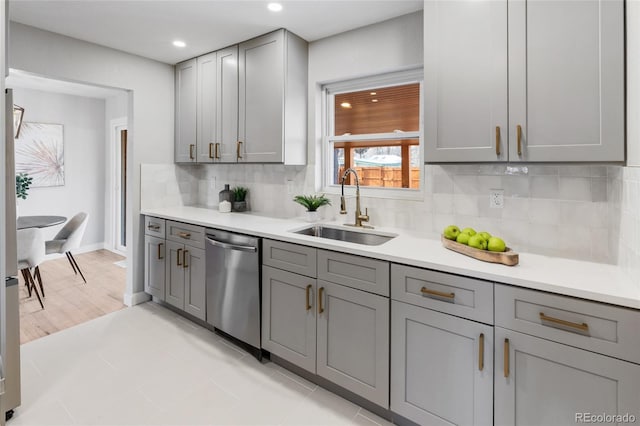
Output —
(120, 134)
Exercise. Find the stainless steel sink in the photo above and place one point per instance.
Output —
(340, 234)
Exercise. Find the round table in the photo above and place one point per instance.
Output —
(39, 221)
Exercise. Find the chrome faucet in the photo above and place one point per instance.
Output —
(343, 206)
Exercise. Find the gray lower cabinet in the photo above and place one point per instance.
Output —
(154, 266)
(289, 316)
(185, 278)
(442, 367)
(335, 331)
(174, 293)
(195, 282)
(359, 272)
(353, 340)
(539, 382)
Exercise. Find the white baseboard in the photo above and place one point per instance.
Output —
(112, 250)
(136, 298)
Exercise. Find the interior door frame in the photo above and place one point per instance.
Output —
(114, 222)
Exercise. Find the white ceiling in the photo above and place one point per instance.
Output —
(148, 27)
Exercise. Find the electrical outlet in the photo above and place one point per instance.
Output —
(496, 198)
(289, 187)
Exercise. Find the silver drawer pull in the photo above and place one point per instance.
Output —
(449, 296)
(580, 328)
(186, 235)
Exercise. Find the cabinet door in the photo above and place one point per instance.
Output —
(353, 341)
(442, 367)
(566, 82)
(195, 282)
(207, 107)
(465, 85)
(289, 317)
(539, 382)
(227, 104)
(154, 266)
(261, 102)
(174, 291)
(185, 131)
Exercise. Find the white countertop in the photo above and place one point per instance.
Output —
(587, 280)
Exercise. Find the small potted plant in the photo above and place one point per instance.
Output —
(312, 203)
(23, 183)
(239, 198)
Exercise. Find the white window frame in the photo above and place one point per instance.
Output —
(329, 90)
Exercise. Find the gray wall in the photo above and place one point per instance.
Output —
(151, 106)
(84, 140)
(385, 46)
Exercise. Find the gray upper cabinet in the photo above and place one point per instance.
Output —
(566, 80)
(185, 114)
(465, 65)
(272, 99)
(507, 80)
(217, 106)
(244, 103)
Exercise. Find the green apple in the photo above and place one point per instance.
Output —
(469, 231)
(476, 241)
(485, 235)
(463, 238)
(496, 244)
(451, 232)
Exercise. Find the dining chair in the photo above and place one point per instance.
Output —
(68, 239)
(30, 255)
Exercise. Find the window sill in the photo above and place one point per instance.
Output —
(387, 193)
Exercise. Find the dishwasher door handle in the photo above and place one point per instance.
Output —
(231, 246)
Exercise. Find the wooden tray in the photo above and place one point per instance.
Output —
(508, 257)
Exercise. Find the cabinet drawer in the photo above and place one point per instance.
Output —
(593, 326)
(154, 226)
(290, 257)
(452, 294)
(354, 271)
(190, 235)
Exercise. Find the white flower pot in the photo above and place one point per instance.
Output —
(312, 216)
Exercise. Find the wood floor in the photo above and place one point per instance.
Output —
(68, 300)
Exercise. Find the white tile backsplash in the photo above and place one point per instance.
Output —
(581, 212)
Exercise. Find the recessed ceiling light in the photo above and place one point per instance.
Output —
(178, 43)
(374, 100)
(345, 105)
(274, 7)
(373, 93)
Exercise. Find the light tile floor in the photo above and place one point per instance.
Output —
(148, 366)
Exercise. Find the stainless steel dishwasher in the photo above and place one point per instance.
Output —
(233, 286)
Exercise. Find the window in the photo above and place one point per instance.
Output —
(374, 125)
